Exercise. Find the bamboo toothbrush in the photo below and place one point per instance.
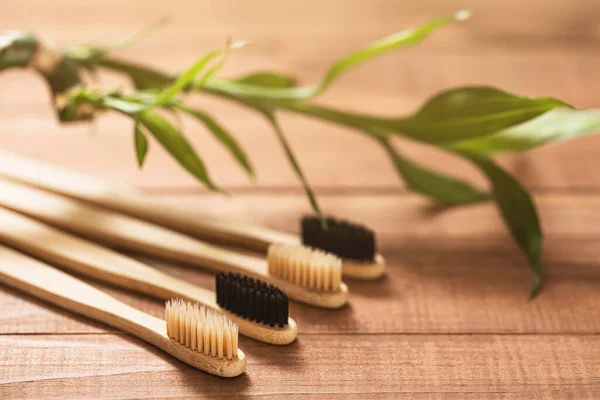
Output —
(266, 319)
(343, 239)
(309, 276)
(197, 336)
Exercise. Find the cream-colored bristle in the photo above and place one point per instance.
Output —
(201, 329)
(305, 266)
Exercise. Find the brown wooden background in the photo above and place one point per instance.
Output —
(452, 319)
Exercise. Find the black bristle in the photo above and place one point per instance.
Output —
(252, 299)
(259, 309)
(342, 238)
(251, 304)
(282, 302)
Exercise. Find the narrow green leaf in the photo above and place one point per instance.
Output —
(223, 136)
(404, 38)
(519, 213)
(198, 83)
(135, 36)
(441, 188)
(125, 106)
(558, 125)
(141, 144)
(268, 79)
(176, 144)
(470, 112)
(186, 78)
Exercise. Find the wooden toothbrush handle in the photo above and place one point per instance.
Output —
(60, 248)
(131, 202)
(56, 287)
(123, 232)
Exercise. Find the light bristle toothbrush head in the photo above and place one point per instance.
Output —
(301, 265)
(201, 329)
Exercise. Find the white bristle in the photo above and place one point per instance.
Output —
(314, 269)
(201, 329)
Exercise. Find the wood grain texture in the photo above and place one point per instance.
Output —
(115, 366)
(451, 320)
(438, 267)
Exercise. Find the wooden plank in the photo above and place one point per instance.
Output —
(568, 215)
(86, 366)
(427, 291)
(555, 18)
(440, 264)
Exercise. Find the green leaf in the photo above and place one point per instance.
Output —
(186, 78)
(519, 213)
(198, 83)
(558, 125)
(404, 38)
(442, 188)
(125, 106)
(142, 76)
(176, 144)
(470, 112)
(20, 50)
(268, 79)
(141, 145)
(223, 136)
(16, 49)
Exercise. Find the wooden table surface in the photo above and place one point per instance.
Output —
(451, 320)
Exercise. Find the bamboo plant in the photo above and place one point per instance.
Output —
(475, 122)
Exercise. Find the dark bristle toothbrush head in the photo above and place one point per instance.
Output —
(342, 238)
(252, 299)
